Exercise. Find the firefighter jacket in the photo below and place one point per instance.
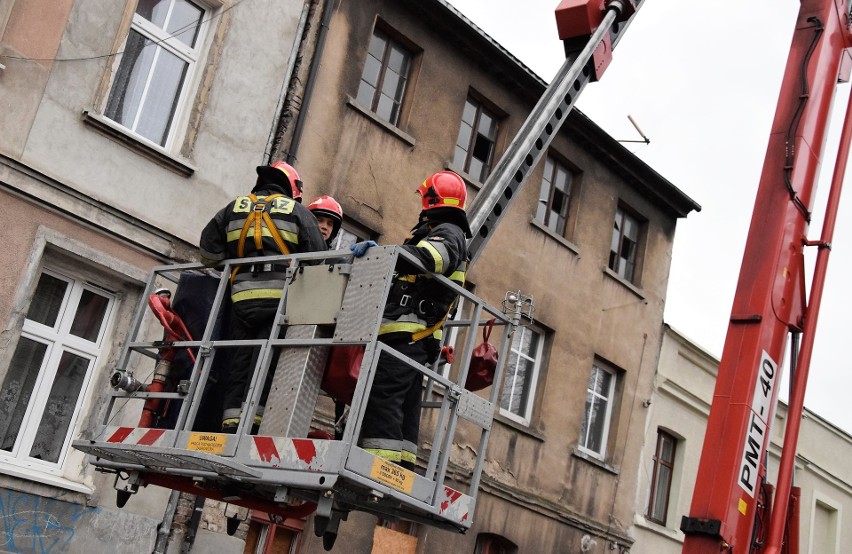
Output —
(417, 304)
(237, 230)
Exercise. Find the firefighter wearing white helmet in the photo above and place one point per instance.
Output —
(267, 222)
(414, 315)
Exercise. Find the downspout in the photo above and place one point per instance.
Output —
(288, 77)
(164, 529)
(309, 85)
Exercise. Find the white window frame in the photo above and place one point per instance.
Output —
(524, 418)
(194, 57)
(53, 336)
(609, 398)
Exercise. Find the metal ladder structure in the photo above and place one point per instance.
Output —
(280, 470)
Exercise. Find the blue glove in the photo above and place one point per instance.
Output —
(360, 248)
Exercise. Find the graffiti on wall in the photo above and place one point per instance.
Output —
(36, 525)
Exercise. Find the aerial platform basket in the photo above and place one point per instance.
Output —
(289, 467)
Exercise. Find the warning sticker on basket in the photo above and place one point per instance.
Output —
(212, 443)
(392, 475)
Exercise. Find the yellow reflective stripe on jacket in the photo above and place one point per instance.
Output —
(389, 455)
(436, 255)
(254, 294)
(401, 327)
(289, 236)
(458, 276)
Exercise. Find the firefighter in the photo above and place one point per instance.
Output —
(269, 221)
(329, 216)
(416, 309)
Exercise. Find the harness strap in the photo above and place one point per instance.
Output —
(259, 218)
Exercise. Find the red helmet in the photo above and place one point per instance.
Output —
(284, 175)
(444, 189)
(329, 207)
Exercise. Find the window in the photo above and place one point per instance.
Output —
(555, 196)
(475, 145)
(825, 527)
(61, 342)
(624, 249)
(598, 411)
(159, 57)
(348, 235)
(489, 543)
(521, 374)
(661, 479)
(384, 78)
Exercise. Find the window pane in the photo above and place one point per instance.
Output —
(465, 132)
(476, 169)
(520, 373)
(154, 11)
(372, 68)
(661, 494)
(596, 410)
(459, 157)
(365, 94)
(487, 126)
(469, 113)
(377, 46)
(599, 382)
(384, 107)
(47, 300)
(345, 239)
(398, 59)
(513, 397)
(185, 22)
(129, 85)
(18, 388)
(60, 407)
(90, 315)
(392, 84)
(162, 97)
(666, 448)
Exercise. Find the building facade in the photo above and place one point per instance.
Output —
(404, 89)
(675, 435)
(126, 125)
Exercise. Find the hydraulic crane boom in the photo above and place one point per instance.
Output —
(590, 29)
(730, 494)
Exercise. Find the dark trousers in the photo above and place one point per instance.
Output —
(248, 324)
(393, 409)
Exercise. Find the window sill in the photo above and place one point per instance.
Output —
(474, 183)
(44, 478)
(577, 453)
(630, 286)
(560, 239)
(137, 144)
(656, 528)
(519, 427)
(404, 137)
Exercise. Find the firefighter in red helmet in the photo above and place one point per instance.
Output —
(416, 309)
(329, 216)
(267, 222)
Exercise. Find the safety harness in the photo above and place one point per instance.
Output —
(259, 218)
(406, 297)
